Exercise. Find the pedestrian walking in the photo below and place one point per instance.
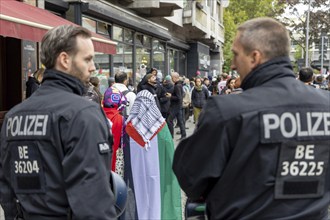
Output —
(55, 146)
(176, 106)
(262, 154)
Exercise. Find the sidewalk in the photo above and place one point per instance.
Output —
(191, 127)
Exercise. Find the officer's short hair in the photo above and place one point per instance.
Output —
(306, 74)
(60, 39)
(120, 77)
(267, 35)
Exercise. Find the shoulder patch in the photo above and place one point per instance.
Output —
(104, 147)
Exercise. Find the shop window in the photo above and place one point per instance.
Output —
(139, 40)
(123, 60)
(159, 57)
(89, 24)
(146, 41)
(142, 63)
(102, 71)
(117, 33)
(128, 36)
(102, 28)
(177, 61)
(182, 63)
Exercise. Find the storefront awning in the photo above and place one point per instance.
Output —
(23, 21)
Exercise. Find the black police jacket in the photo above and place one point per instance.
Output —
(262, 154)
(55, 154)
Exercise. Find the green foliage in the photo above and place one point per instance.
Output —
(295, 20)
(240, 11)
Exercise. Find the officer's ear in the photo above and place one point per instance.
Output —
(257, 58)
(64, 61)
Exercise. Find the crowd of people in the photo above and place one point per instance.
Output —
(246, 141)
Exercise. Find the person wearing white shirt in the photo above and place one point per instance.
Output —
(121, 81)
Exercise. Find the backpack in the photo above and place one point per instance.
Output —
(124, 112)
(186, 97)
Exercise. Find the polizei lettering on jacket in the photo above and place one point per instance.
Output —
(27, 125)
(300, 125)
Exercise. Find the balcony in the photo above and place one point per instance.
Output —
(153, 8)
(198, 21)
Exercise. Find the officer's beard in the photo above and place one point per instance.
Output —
(76, 72)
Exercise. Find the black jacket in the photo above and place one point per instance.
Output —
(165, 102)
(263, 154)
(199, 97)
(177, 96)
(31, 86)
(55, 154)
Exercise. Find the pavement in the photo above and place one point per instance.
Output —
(190, 127)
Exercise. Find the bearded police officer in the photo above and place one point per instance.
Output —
(55, 146)
(262, 154)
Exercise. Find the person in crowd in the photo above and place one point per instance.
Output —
(144, 80)
(186, 100)
(306, 75)
(95, 81)
(223, 81)
(152, 87)
(121, 139)
(199, 95)
(165, 101)
(214, 86)
(121, 83)
(92, 93)
(157, 192)
(206, 83)
(250, 155)
(230, 86)
(320, 81)
(237, 86)
(176, 106)
(111, 81)
(55, 146)
(114, 103)
(34, 82)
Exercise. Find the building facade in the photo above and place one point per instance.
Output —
(171, 35)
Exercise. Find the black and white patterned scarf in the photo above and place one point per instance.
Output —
(145, 116)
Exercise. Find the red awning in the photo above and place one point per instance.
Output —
(24, 21)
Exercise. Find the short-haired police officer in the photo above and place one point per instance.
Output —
(55, 146)
(262, 154)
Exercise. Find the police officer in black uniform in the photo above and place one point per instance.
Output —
(262, 154)
(55, 146)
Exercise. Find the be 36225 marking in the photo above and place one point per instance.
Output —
(304, 163)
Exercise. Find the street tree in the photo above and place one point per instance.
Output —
(295, 19)
(239, 11)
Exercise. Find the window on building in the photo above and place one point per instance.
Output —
(159, 56)
(177, 61)
(143, 56)
(219, 12)
(123, 59)
(101, 60)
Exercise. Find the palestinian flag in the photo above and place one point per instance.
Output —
(156, 188)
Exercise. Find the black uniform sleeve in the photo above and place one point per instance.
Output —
(86, 165)
(6, 193)
(200, 159)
